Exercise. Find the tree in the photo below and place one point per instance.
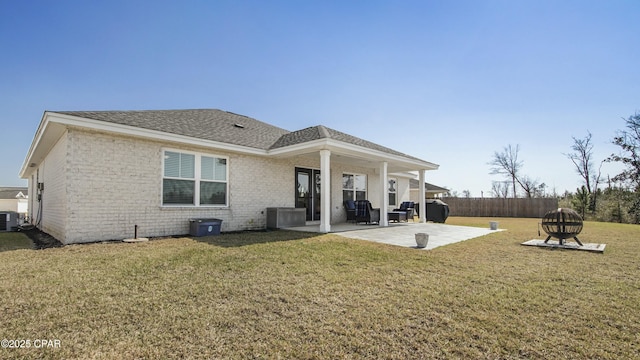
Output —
(531, 187)
(581, 200)
(582, 158)
(506, 163)
(500, 189)
(629, 142)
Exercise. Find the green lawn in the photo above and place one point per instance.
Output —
(294, 295)
(14, 241)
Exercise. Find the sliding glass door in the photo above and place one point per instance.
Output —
(308, 192)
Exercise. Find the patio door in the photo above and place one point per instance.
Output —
(308, 192)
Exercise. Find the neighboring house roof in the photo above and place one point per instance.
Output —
(10, 193)
(415, 184)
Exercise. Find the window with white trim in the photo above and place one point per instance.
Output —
(393, 192)
(194, 179)
(354, 187)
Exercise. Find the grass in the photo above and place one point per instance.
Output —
(293, 295)
(14, 241)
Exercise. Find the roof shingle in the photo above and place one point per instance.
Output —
(10, 193)
(226, 127)
(207, 124)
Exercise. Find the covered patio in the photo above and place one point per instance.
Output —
(334, 154)
(403, 234)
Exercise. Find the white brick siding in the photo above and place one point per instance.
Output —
(98, 186)
(49, 212)
(116, 184)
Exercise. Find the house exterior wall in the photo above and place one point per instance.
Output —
(49, 212)
(23, 206)
(338, 214)
(9, 205)
(403, 190)
(99, 185)
(116, 184)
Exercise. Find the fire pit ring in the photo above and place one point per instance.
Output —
(562, 224)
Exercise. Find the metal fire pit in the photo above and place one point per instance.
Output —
(562, 224)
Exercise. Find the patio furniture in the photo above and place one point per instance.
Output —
(437, 211)
(366, 213)
(397, 216)
(350, 208)
(408, 208)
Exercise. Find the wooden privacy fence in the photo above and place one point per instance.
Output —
(500, 207)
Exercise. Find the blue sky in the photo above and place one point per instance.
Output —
(450, 82)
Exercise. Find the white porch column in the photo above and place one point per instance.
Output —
(325, 191)
(384, 182)
(423, 205)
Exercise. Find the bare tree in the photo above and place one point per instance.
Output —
(582, 158)
(500, 189)
(530, 186)
(506, 163)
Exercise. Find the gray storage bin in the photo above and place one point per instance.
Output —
(204, 227)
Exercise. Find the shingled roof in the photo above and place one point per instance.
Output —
(7, 193)
(323, 132)
(415, 184)
(207, 124)
(226, 127)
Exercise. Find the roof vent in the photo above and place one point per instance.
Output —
(240, 126)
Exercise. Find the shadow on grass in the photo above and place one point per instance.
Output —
(14, 241)
(244, 238)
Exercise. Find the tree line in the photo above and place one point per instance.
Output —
(614, 199)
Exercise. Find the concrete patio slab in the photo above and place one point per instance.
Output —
(403, 234)
(599, 248)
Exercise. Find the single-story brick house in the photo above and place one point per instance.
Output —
(94, 175)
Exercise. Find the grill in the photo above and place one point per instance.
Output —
(562, 224)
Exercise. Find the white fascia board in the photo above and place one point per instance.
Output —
(297, 149)
(36, 140)
(351, 150)
(367, 153)
(50, 118)
(404, 174)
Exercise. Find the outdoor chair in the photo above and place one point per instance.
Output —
(407, 207)
(350, 208)
(366, 213)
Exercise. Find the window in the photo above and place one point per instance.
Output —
(194, 179)
(354, 187)
(393, 192)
